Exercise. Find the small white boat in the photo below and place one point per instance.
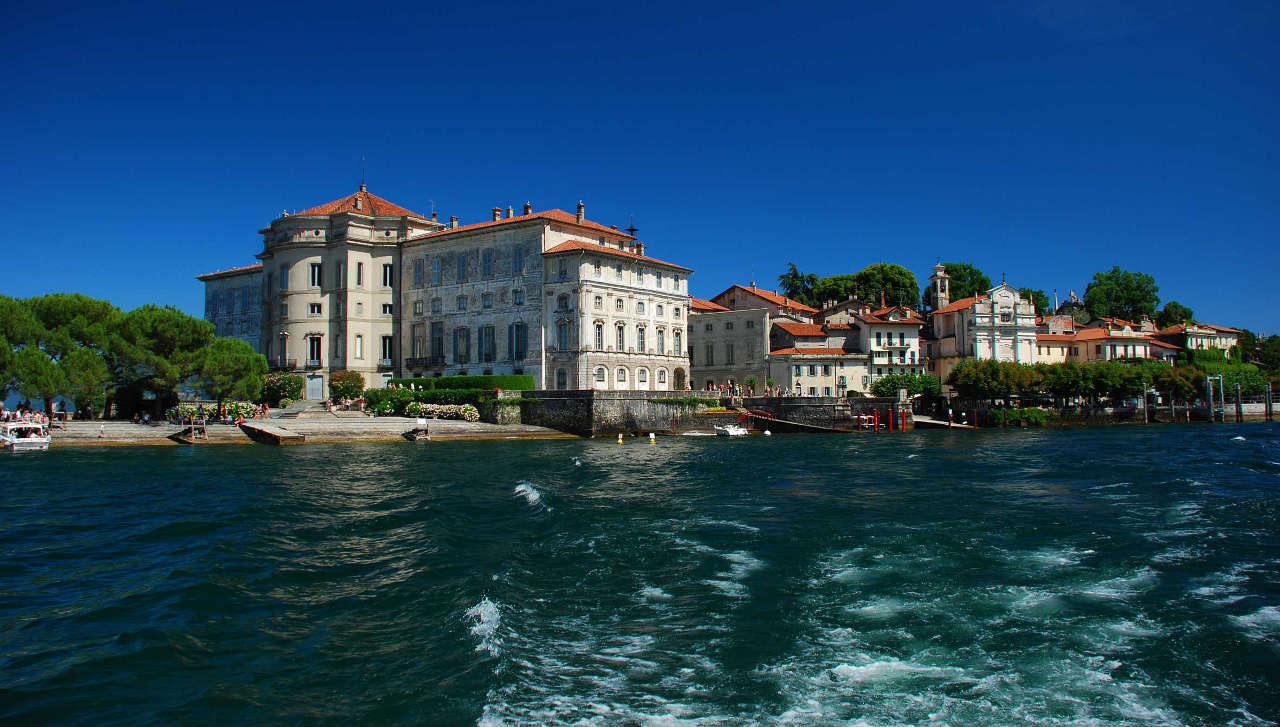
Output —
(730, 430)
(24, 437)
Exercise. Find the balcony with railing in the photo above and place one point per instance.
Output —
(313, 363)
(417, 362)
(284, 364)
(385, 363)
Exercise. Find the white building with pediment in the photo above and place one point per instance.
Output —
(999, 325)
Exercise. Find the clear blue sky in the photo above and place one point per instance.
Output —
(1046, 140)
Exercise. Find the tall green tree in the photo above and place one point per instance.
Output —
(896, 283)
(966, 280)
(834, 288)
(1269, 352)
(229, 368)
(1038, 298)
(1173, 313)
(797, 285)
(1246, 348)
(1122, 294)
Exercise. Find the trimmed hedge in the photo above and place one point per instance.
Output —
(394, 402)
(516, 382)
(1025, 417)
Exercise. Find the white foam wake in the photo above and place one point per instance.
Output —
(528, 492)
(486, 620)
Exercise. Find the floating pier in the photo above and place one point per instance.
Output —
(263, 433)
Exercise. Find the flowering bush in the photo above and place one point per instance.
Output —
(464, 412)
(277, 388)
(233, 408)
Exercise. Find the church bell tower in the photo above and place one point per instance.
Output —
(940, 283)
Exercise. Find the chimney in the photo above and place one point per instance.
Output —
(582, 212)
(882, 299)
(510, 212)
(434, 217)
(453, 221)
(528, 208)
(639, 247)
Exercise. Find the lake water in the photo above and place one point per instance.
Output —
(1122, 575)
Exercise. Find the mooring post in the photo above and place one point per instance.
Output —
(1239, 405)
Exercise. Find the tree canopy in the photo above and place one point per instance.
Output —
(966, 280)
(1173, 313)
(91, 352)
(1038, 298)
(1122, 294)
(797, 285)
(896, 283)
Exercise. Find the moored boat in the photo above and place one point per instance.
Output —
(24, 437)
(730, 430)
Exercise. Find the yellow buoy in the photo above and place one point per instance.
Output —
(619, 437)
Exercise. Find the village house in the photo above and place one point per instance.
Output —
(999, 325)
(1195, 336)
(728, 347)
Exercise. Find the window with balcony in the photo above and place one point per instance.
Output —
(315, 349)
(437, 342)
(388, 350)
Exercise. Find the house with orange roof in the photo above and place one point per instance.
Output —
(1196, 336)
(889, 334)
(233, 303)
(744, 297)
(572, 302)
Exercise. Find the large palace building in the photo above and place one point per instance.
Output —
(362, 284)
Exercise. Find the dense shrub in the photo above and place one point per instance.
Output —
(233, 408)
(346, 384)
(395, 402)
(1026, 417)
(463, 412)
(915, 384)
(516, 382)
(276, 387)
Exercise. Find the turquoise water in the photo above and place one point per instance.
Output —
(1127, 575)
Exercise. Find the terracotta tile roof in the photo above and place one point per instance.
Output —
(879, 317)
(959, 304)
(1177, 328)
(698, 304)
(1162, 344)
(769, 295)
(575, 245)
(801, 329)
(1055, 337)
(814, 352)
(370, 204)
(1220, 329)
(838, 326)
(229, 272)
(556, 215)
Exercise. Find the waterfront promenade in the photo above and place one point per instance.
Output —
(315, 431)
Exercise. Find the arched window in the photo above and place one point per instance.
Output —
(601, 374)
(642, 376)
(622, 375)
(662, 376)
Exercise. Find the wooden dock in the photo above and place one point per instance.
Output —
(264, 433)
(923, 422)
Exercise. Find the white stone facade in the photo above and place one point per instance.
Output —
(574, 304)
